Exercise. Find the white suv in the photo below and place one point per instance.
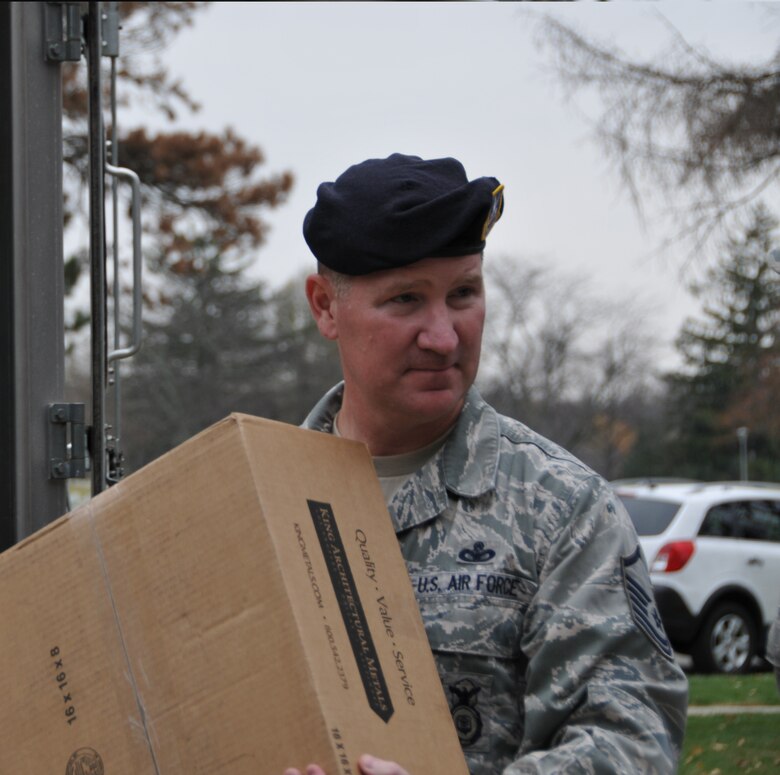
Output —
(713, 550)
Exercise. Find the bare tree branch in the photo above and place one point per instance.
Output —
(684, 124)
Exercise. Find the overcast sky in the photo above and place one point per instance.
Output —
(320, 86)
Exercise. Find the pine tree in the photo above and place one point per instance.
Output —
(731, 358)
(222, 344)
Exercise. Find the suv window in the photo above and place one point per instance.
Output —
(650, 517)
(766, 519)
(727, 520)
(752, 520)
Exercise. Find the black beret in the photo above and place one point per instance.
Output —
(386, 213)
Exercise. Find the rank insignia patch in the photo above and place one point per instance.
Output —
(644, 611)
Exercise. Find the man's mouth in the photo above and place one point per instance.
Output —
(433, 372)
(433, 367)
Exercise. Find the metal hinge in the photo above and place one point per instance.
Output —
(62, 30)
(67, 441)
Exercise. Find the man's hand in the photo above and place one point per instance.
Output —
(369, 765)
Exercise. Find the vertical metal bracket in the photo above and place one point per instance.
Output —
(67, 441)
(62, 30)
(109, 30)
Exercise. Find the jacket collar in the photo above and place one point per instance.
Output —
(466, 465)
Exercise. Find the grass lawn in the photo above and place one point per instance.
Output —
(752, 689)
(721, 745)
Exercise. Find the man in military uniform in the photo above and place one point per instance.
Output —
(535, 597)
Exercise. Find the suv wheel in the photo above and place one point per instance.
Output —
(727, 642)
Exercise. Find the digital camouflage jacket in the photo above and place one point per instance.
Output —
(537, 604)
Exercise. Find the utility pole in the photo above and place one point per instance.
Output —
(742, 436)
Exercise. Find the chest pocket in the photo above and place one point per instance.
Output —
(474, 612)
(474, 622)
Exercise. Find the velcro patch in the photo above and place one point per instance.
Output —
(641, 601)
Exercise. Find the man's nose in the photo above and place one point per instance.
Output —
(438, 332)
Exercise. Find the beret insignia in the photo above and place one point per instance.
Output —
(496, 208)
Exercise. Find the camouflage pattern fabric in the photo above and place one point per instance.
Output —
(537, 605)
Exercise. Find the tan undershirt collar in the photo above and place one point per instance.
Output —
(394, 470)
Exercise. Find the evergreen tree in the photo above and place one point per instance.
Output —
(223, 344)
(197, 359)
(731, 358)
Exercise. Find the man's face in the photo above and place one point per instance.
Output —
(410, 340)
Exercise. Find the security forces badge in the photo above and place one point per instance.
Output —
(464, 706)
(644, 610)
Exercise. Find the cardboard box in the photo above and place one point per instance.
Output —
(238, 606)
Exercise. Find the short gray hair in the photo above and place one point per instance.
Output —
(340, 282)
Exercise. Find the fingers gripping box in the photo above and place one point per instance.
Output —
(238, 606)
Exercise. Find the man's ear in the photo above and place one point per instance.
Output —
(321, 296)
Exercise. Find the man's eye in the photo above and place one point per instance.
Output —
(404, 298)
(464, 292)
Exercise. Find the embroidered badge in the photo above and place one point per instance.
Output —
(496, 208)
(468, 721)
(477, 554)
(644, 611)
